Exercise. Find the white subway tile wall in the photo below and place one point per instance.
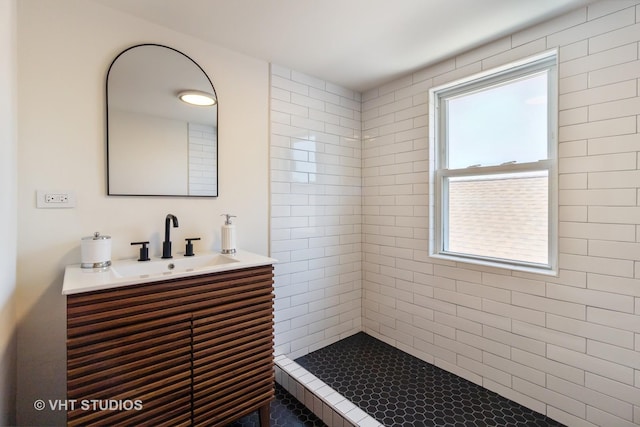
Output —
(565, 346)
(350, 224)
(203, 176)
(316, 211)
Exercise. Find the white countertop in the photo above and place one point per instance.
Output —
(78, 280)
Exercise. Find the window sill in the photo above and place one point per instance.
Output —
(543, 270)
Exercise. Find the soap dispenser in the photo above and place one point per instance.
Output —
(228, 233)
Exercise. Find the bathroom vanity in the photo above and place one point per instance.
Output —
(175, 343)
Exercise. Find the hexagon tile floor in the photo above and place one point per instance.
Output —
(398, 389)
(286, 411)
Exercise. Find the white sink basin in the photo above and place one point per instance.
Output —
(131, 272)
(170, 266)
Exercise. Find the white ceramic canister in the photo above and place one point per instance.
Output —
(95, 251)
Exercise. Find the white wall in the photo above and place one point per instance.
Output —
(8, 212)
(64, 50)
(315, 211)
(171, 157)
(566, 346)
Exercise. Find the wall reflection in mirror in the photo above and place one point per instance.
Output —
(158, 143)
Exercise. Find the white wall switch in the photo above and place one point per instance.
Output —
(53, 199)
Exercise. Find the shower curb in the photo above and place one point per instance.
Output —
(331, 407)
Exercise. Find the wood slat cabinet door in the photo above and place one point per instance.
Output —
(191, 351)
(233, 356)
(131, 375)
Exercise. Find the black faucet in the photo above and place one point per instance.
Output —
(166, 245)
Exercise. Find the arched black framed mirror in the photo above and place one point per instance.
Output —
(158, 144)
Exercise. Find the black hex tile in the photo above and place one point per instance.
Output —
(398, 389)
(286, 411)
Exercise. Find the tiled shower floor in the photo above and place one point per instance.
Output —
(398, 389)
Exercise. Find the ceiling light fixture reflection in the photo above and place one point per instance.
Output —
(196, 97)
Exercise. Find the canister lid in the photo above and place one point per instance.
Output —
(96, 236)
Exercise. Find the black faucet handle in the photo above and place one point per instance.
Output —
(189, 249)
(144, 251)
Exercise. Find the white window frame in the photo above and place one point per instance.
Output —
(440, 173)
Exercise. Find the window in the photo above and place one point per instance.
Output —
(494, 176)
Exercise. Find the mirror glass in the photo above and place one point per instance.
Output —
(157, 144)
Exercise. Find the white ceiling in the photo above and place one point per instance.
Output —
(358, 44)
